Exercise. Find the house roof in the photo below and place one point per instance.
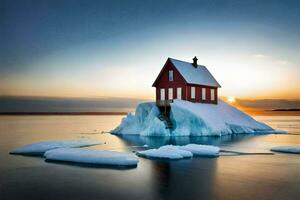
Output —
(195, 75)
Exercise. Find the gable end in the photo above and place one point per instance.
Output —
(162, 71)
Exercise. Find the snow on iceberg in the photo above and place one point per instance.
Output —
(89, 156)
(167, 152)
(190, 119)
(287, 149)
(39, 148)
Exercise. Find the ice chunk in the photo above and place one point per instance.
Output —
(179, 152)
(183, 153)
(191, 119)
(39, 148)
(202, 150)
(287, 149)
(89, 156)
(156, 153)
(145, 122)
(168, 152)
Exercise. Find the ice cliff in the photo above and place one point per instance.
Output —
(190, 119)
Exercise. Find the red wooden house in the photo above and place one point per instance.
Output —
(186, 81)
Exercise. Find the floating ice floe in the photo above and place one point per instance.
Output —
(167, 151)
(202, 150)
(179, 152)
(287, 149)
(39, 148)
(89, 156)
(191, 119)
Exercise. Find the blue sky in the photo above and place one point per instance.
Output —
(116, 48)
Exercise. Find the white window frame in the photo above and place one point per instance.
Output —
(171, 75)
(179, 91)
(162, 94)
(212, 94)
(203, 93)
(193, 92)
(170, 94)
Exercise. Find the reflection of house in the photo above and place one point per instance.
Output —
(186, 81)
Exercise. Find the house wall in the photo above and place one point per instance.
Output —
(198, 95)
(163, 82)
(178, 81)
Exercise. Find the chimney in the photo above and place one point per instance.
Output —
(195, 62)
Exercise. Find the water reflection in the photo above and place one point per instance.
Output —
(183, 179)
(154, 142)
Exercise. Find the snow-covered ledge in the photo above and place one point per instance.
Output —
(191, 119)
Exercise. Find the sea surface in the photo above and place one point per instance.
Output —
(231, 176)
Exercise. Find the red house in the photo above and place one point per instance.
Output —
(186, 81)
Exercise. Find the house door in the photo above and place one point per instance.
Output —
(162, 94)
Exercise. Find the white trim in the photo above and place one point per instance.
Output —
(162, 94)
(171, 75)
(193, 92)
(203, 92)
(170, 93)
(212, 94)
(179, 93)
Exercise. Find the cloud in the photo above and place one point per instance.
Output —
(283, 62)
(259, 56)
(273, 60)
(53, 104)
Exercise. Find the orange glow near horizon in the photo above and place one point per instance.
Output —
(241, 76)
(231, 99)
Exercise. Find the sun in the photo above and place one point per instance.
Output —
(231, 99)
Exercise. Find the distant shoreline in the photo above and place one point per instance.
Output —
(63, 113)
(285, 112)
(282, 109)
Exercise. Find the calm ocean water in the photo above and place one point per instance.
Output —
(227, 177)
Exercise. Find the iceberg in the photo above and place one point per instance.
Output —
(39, 148)
(190, 119)
(89, 156)
(179, 152)
(287, 149)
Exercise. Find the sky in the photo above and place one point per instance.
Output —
(69, 48)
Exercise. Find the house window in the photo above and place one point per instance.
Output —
(170, 75)
(162, 94)
(203, 94)
(212, 94)
(179, 93)
(170, 92)
(193, 91)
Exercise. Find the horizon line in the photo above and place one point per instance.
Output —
(133, 98)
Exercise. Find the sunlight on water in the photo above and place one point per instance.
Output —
(287, 123)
